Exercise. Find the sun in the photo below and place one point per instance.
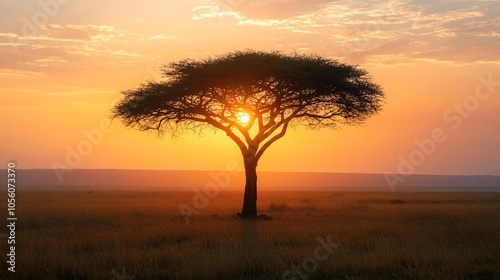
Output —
(244, 118)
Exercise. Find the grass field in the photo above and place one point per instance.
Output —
(102, 234)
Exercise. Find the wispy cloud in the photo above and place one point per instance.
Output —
(210, 10)
(21, 74)
(72, 45)
(362, 31)
(161, 37)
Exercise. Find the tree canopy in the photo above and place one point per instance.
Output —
(274, 89)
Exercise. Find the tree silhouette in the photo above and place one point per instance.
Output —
(254, 97)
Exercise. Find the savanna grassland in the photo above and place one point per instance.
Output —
(102, 234)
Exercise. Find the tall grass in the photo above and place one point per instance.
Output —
(87, 235)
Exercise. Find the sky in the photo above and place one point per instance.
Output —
(64, 64)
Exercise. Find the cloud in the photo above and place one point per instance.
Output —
(353, 31)
(161, 37)
(461, 31)
(440, 19)
(274, 9)
(21, 74)
(74, 32)
(60, 96)
(78, 46)
(212, 11)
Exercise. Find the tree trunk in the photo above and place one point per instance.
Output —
(249, 209)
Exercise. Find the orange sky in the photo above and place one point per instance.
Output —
(63, 64)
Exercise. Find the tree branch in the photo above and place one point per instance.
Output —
(229, 133)
(272, 140)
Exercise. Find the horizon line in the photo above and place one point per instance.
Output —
(267, 171)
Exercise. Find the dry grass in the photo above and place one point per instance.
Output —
(85, 235)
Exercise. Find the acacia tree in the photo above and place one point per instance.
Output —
(253, 97)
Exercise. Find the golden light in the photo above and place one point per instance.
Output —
(244, 118)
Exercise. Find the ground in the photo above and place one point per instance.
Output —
(89, 234)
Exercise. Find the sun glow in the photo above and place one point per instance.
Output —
(244, 118)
